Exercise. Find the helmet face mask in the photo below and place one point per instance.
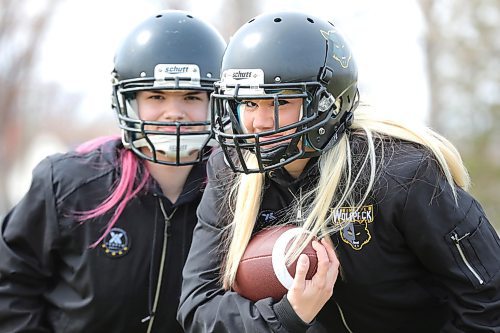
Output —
(271, 151)
(170, 51)
(282, 56)
(178, 142)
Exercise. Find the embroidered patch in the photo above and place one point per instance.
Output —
(267, 217)
(356, 232)
(116, 243)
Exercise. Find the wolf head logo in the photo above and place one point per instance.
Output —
(356, 235)
(341, 51)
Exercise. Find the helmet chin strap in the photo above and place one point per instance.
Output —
(167, 144)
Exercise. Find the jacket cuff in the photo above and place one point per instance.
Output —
(288, 318)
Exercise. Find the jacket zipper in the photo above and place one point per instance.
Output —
(456, 240)
(301, 219)
(344, 322)
(167, 218)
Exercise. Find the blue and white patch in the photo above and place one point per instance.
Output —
(267, 217)
(116, 243)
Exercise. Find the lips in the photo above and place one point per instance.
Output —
(172, 129)
(269, 137)
(265, 144)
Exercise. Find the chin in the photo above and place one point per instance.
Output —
(183, 156)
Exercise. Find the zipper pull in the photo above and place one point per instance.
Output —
(167, 218)
(167, 222)
(455, 238)
(148, 318)
(473, 271)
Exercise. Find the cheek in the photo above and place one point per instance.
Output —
(148, 112)
(200, 114)
(287, 118)
(246, 120)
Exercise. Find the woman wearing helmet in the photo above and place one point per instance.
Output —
(416, 251)
(99, 241)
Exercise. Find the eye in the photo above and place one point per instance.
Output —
(282, 102)
(156, 97)
(193, 98)
(249, 105)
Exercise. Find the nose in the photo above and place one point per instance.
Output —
(173, 111)
(264, 119)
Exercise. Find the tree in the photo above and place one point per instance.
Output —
(464, 79)
(235, 13)
(20, 41)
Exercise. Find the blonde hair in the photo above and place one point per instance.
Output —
(337, 180)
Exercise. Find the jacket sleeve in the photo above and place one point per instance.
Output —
(456, 242)
(204, 305)
(27, 234)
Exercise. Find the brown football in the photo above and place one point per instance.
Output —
(262, 271)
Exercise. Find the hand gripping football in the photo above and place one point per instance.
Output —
(262, 271)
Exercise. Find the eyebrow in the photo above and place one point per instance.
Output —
(166, 92)
(194, 92)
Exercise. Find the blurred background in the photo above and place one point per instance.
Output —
(429, 61)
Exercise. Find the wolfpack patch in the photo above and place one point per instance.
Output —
(116, 243)
(356, 232)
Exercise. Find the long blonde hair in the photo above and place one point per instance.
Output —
(335, 168)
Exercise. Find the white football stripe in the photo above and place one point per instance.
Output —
(278, 257)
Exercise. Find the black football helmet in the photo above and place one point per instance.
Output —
(171, 50)
(296, 53)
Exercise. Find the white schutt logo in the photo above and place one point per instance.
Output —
(239, 75)
(176, 69)
(249, 81)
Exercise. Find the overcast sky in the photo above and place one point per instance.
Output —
(385, 36)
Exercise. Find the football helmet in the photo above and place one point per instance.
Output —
(171, 50)
(279, 56)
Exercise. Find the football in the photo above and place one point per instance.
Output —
(262, 271)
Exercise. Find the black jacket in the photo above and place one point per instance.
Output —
(51, 281)
(412, 260)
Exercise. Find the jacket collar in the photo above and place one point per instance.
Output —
(283, 178)
(193, 187)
